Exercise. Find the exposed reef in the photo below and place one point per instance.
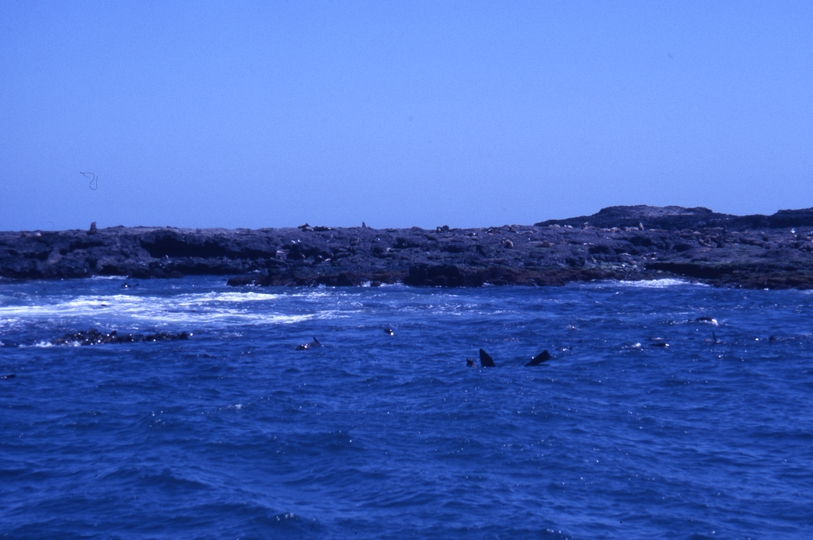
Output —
(622, 242)
(94, 337)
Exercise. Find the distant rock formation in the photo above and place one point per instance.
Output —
(620, 242)
(673, 218)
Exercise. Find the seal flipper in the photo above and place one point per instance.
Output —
(539, 358)
(486, 360)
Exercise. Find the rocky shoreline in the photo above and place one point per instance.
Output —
(622, 242)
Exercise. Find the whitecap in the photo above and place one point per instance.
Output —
(657, 283)
(204, 308)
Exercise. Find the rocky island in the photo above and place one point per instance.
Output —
(621, 242)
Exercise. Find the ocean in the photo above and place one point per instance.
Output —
(667, 410)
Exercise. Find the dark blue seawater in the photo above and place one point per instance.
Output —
(236, 434)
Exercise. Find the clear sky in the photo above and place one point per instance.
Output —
(273, 114)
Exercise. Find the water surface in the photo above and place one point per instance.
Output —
(236, 434)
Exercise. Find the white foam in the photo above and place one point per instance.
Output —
(229, 297)
(201, 308)
(657, 283)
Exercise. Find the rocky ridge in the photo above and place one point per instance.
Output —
(622, 242)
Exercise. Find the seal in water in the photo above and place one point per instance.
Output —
(310, 345)
(539, 358)
(486, 360)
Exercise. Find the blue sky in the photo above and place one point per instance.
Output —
(273, 114)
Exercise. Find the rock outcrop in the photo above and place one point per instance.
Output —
(95, 337)
(628, 242)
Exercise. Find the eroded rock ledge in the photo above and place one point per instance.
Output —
(622, 242)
